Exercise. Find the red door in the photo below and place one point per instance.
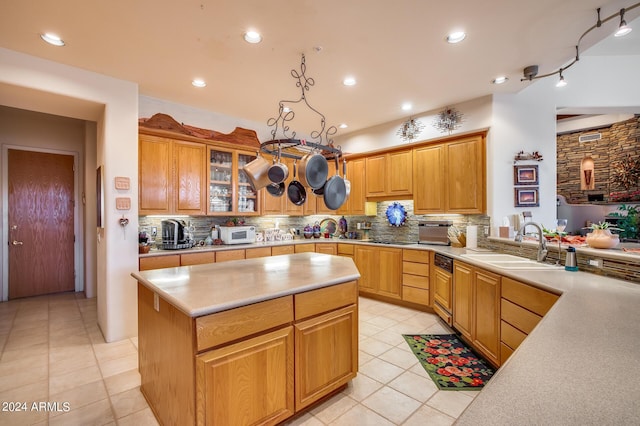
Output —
(41, 228)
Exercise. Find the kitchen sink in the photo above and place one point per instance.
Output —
(508, 261)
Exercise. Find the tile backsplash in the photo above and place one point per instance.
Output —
(380, 228)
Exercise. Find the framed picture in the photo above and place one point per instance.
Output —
(526, 196)
(525, 175)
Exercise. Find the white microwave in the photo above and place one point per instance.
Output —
(238, 234)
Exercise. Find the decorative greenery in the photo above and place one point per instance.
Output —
(628, 222)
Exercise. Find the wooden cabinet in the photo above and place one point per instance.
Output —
(282, 204)
(389, 175)
(380, 270)
(171, 176)
(197, 258)
(450, 177)
(159, 262)
(277, 250)
(233, 379)
(304, 248)
(415, 276)
(252, 253)
(225, 255)
(429, 177)
(229, 190)
(326, 354)
(476, 308)
(521, 308)
(345, 250)
(356, 202)
(327, 248)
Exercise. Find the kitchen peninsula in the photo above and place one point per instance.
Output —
(247, 341)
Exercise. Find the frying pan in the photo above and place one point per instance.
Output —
(296, 192)
(347, 184)
(313, 170)
(276, 189)
(335, 191)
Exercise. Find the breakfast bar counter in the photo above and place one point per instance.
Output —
(247, 341)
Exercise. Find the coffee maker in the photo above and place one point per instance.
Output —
(175, 235)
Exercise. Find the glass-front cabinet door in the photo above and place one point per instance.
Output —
(229, 189)
(247, 198)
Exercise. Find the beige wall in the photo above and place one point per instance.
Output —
(43, 132)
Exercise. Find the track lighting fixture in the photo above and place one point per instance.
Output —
(531, 72)
(561, 82)
(623, 28)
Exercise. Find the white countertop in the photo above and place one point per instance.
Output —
(204, 289)
(580, 365)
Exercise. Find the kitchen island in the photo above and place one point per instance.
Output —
(247, 341)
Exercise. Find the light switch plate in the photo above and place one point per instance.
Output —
(123, 203)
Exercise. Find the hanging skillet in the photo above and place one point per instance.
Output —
(296, 192)
(276, 189)
(335, 191)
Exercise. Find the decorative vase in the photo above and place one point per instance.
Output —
(602, 239)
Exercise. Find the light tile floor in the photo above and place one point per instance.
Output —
(53, 352)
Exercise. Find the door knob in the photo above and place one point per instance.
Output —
(17, 243)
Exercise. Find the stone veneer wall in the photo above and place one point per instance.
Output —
(617, 141)
(380, 228)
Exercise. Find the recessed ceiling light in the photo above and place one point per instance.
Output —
(406, 106)
(500, 80)
(349, 81)
(198, 83)
(52, 39)
(252, 37)
(456, 37)
(343, 126)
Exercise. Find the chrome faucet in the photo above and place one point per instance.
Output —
(542, 243)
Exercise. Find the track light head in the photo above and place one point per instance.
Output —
(623, 28)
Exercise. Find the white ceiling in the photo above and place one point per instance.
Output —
(395, 49)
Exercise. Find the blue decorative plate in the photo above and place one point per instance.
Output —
(396, 214)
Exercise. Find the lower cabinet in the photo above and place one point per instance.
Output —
(232, 380)
(326, 354)
(476, 308)
(256, 364)
(442, 283)
(159, 262)
(380, 270)
(415, 276)
(327, 248)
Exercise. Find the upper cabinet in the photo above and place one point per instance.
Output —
(229, 189)
(389, 175)
(171, 176)
(450, 177)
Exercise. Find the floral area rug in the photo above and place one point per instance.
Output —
(451, 364)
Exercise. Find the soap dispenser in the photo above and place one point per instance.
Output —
(571, 263)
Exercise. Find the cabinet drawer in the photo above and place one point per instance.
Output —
(222, 327)
(418, 256)
(415, 281)
(345, 249)
(529, 297)
(518, 317)
(325, 299)
(223, 256)
(197, 258)
(510, 335)
(277, 250)
(415, 295)
(415, 268)
(305, 248)
(505, 352)
(258, 252)
(159, 262)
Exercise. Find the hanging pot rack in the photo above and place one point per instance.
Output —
(288, 146)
